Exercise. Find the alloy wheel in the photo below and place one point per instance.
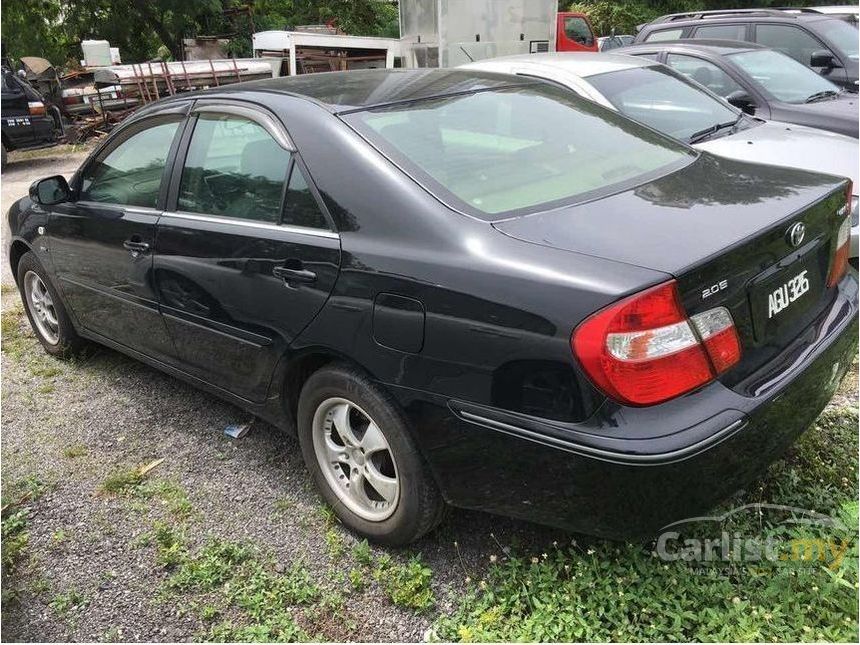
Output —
(41, 307)
(356, 459)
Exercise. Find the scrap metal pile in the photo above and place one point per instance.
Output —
(93, 99)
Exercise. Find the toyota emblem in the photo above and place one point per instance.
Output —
(795, 234)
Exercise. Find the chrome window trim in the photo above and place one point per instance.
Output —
(287, 228)
(265, 121)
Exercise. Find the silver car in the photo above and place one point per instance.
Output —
(667, 101)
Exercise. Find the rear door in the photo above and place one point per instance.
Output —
(246, 255)
(101, 243)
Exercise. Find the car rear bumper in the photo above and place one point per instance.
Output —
(644, 469)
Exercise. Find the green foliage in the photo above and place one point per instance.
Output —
(406, 585)
(334, 542)
(143, 29)
(210, 568)
(122, 481)
(15, 538)
(170, 544)
(356, 579)
(65, 602)
(74, 451)
(239, 578)
(362, 553)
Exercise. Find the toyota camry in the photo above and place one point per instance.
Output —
(459, 289)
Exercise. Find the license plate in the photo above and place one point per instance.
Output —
(785, 294)
(779, 297)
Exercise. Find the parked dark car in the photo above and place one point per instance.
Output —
(825, 43)
(26, 123)
(454, 296)
(759, 81)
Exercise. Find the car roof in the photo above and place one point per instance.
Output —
(738, 15)
(361, 89)
(582, 64)
(706, 46)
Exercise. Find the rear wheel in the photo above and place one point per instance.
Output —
(45, 310)
(356, 445)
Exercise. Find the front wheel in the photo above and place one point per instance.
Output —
(48, 317)
(356, 445)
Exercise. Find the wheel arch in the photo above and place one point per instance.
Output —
(16, 252)
(297, 368)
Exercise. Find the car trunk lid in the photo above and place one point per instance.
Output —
(722, 229)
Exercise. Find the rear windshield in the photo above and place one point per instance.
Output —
(514, 150)
(663, 99)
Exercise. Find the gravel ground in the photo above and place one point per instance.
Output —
(67, 426)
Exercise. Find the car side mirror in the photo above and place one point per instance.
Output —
(741, 100)
(50, 190)
(823, 58)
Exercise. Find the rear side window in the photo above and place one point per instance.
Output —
(722, 32)
(664, 34)
(234, 168)
(578, 30)
(791, 41)
(130, 174)
(704, 73)
(519, 149)
(301, 209)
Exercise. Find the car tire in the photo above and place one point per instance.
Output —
(393, 499)
(45, 310)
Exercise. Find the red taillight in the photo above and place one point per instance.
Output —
(36, 108)
(643, 350)
(840, 257)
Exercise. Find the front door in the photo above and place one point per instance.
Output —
(102, 242)
(247, 257)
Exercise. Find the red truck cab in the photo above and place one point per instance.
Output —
(573, 33)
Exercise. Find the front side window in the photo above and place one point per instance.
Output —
(781, 77)
(665, 34)
(791, 41)
(663, 99)
(234, 168)
(704, 73)
(518, 149)
(722, 32)
(842, 35)
(577, 30)
(131, 173)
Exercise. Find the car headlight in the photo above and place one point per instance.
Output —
(855, 215)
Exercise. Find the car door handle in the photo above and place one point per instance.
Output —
(136, 246)
(294, 275)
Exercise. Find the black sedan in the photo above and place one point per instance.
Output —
(457, 288)
(760, 81)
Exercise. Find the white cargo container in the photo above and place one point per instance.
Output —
(447, 33)
(433, 33)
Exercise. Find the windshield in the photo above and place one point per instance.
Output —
(782, 77)
(663, 99)
(517, 149)
(842, 35)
